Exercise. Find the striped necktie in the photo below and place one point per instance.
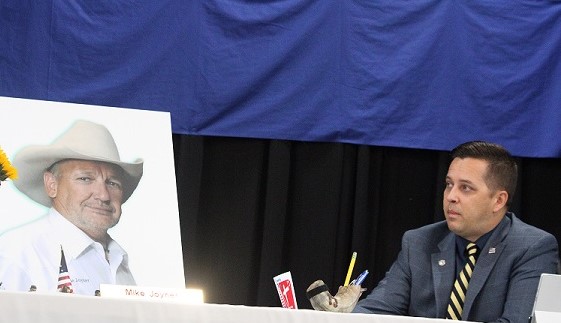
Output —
(459, 290)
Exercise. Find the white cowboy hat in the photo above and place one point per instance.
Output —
(84, 140)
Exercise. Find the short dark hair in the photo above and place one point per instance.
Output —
(502, 171)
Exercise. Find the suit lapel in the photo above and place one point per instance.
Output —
(444, 272)
(485, 263)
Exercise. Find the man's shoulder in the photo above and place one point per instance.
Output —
(430, 233)
(522, 230)
(439, 227)
(23, 235)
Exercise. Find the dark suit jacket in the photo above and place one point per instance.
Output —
(503, 283)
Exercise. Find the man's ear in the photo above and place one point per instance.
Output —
(501, 198)
(50, 182)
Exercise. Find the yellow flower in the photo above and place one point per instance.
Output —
(6, 168)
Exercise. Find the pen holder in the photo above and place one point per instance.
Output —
(344, 301)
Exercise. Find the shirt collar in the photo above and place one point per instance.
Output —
(73, 240)
(461, 243)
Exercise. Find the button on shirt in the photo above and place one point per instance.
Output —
(31, 255)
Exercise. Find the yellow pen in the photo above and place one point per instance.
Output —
(350, 271)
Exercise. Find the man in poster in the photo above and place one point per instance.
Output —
(83, 181)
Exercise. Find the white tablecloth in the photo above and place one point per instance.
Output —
(29, 307)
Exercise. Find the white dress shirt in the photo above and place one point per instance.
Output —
(31, 255)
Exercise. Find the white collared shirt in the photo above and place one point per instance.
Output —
(31, 255)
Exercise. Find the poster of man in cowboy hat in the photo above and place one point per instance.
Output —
(90, 205)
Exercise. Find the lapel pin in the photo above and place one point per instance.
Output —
(491, 250)
(442, 262)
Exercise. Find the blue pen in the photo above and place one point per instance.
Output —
(360, 278)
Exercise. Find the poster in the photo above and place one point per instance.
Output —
(149, 227)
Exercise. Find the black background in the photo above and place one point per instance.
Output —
(251, 209)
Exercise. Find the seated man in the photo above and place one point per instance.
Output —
(482, 263)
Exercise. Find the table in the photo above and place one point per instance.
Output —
(33, 307)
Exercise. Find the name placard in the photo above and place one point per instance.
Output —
(186, 295)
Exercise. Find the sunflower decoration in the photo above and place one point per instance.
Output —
(7, 170)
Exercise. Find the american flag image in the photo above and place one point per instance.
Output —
(64, 282)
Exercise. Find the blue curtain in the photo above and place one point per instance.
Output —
(417, 74)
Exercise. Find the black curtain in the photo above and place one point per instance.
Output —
(251, 209)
